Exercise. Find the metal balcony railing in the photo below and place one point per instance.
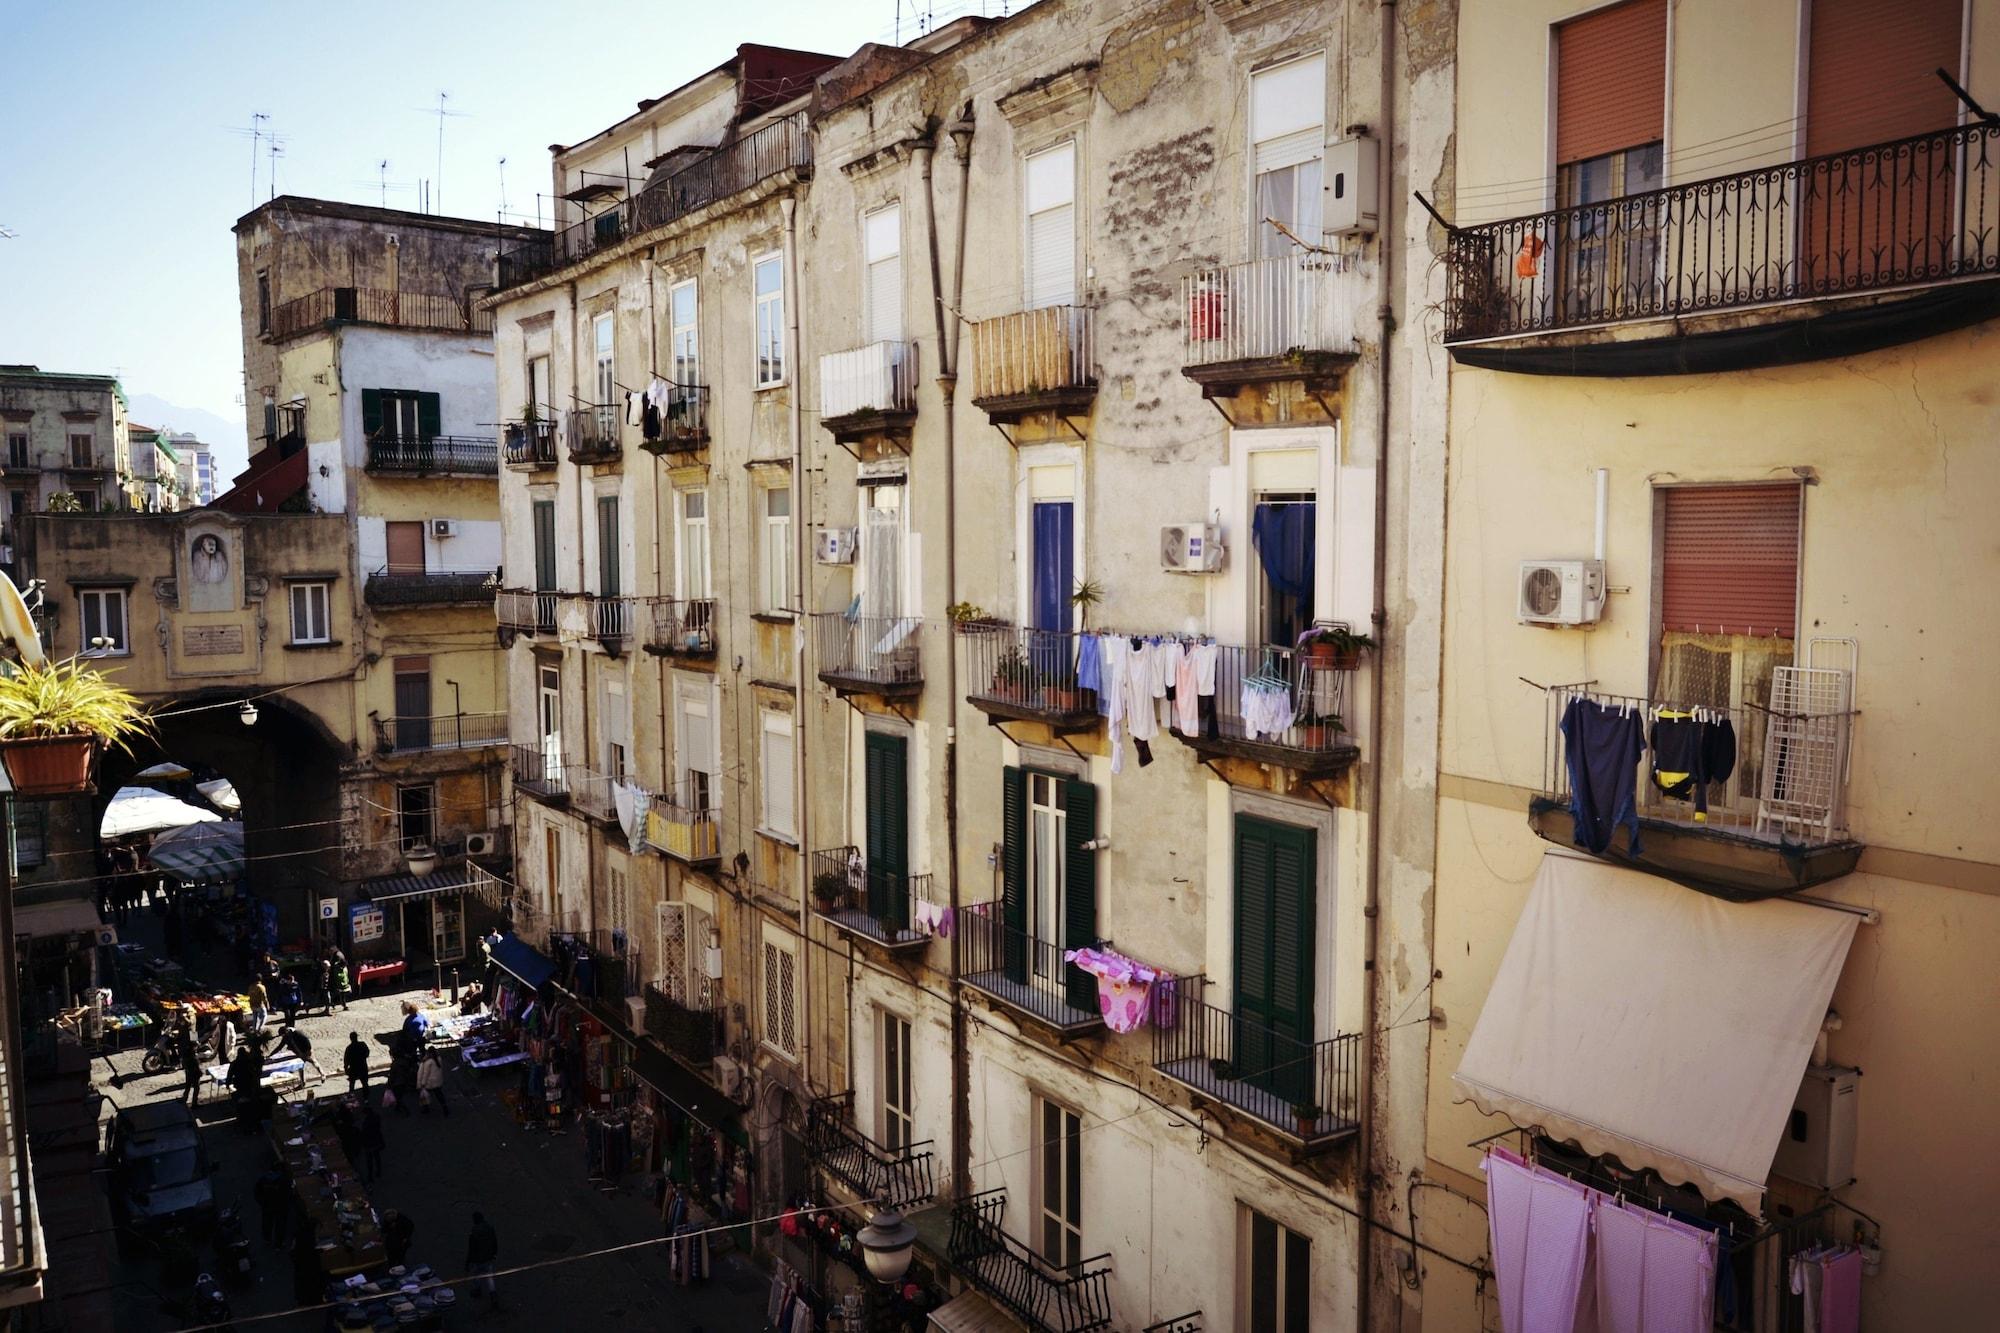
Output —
(899, 1177)
(611, 620)
(1075, 1298)
(526, 612)
(1034, 352)
(871, 903)
(869, 654)
(681, 627)
(590, 793)
(391, 586)
(725, 170)
(685, 822)
(1279, 705)
(454, 455)
(1786, 782)
(1180, 1323)
(1027, 673)
(540, 773)
(879, 379)
(1910, 212)
(529, 445)
(594, 434)
(368, 305)
(1025, 973)
(447, 731)
(1262, 310)
(684, 423)
(689, 1033)
(1307, 1090)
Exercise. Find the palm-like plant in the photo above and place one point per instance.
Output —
(68, 699)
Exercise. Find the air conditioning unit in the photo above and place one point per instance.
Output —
(635, 1012)
(482, 844)
(1191, 548)
(728, 1075)
(1817, 1147)
(1353, 187)
(1561, 592)
(834, 546)
(444, 527)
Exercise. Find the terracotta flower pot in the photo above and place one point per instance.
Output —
(1321, 651)
(50, 765)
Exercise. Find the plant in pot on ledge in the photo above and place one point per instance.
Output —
(828, 886)
(1320, 731)
(1334, 646)
(1012, 675)
(1308, 1114)
(54, 721)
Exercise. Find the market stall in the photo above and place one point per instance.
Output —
(329, 1191)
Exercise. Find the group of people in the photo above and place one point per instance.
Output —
(274, 988)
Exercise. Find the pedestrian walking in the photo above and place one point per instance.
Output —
(274, 1205)
(225, 1038)
(482, 1253)
(299, 1044)
(372, 1141)
(397, 1232)
(415, 1025)
(260, 1004)
(326, 983)
(355, 1061)
(343, 984)
(289, 998)
(190, 1067)
(430, 1083)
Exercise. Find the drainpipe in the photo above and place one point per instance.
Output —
(1372, 908)
(659, 577)
(788, 207)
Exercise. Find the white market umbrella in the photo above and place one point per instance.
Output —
(201, 853)
(221, 792)
(143, 810)
(169, 770)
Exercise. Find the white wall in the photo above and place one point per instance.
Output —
(474, 545)
(458, 367)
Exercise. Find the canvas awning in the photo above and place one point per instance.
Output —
(522, 960)
(409, 888)
(221, 792)
(65, 916)
(169, 769)
(970, 1312)
(201, 853)
(1666, 1028)
(143, 810)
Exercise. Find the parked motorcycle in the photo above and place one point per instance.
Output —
(208, 1307)
(232, 1247)
(165, 1054)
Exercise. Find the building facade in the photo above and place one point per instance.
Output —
(194, 468)
(66, 435)
(153, 485)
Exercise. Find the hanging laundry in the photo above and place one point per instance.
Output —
(1089, 667)
(1267, 706)
(1691, 750)
(1602, 745)
(1654, 1274)
(1840, 1291)
(635, 409)
(1117, 656)
(1141, 679)
(1124, 986)
(1187, 687)
(1540, 1234)
(1168, 654)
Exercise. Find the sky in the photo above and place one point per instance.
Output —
(127, 151)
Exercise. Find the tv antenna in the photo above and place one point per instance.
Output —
(437, 183)
(503, 186)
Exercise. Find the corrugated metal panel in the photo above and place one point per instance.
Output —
(1731, 559)
(1611, 80)
(1870, 71)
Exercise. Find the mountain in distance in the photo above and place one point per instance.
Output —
(222, 434)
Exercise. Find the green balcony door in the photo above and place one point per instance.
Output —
(888, 827)
(1276, 867)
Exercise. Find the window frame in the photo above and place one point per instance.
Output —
(778, 1030)
(122, 643)
(604, 359)
(308, 587)
(1067, 1216)
(770, 335)
(1029, 299)
(1246, 1284)
(428, 814)
(895, 1105)
(774, 584)
(775, 724)
(88, 456)
(1253, 189)
(871, 218)
(689, 330)
(692, 530)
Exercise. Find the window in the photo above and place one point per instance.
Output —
(1611, 72)
(1047, 815)
(1273, 1277)
(616, 731)
(81, 447)
(538, 388)
(777, 548)
(619, 906)
(104, 622)
(17, 448)
(86, 499)
(404, 543)
(1058, 1183)
(775, 754)
(1049, 880)
(694, 753)
(683, 337)
(1288, 143)
(607, 379)
(693, 569)
(769, 275)
(781, 963)
(412, 677)
(544, 516)
(898, 1128)
(1050, 197)
(681, 955)
(882, 551)
(549, 692)
(886, 826)
(263, 303)
(415, 807)
(311, 621)
(552, 868)
(1284, 527)
(386, 414)
(609, 551)
(882, 285)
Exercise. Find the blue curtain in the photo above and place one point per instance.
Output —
(1286, 536)
(1054, 550)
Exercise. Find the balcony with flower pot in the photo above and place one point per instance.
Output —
(1027, 675)
(1282, 706)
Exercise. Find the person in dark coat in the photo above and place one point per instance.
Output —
(354, 1060)
(274, 1205)
(326, 983)
(308, 1279)
(289, 998)
(190, 1065)
(482, 1253)
(397, 1232)
(372, 1142)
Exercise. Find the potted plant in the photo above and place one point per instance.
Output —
(828, 885)
(1013, 675)
(1335, 646)
(1223, 1070)
(54, 721)
(1308, 1114)
(1089, 593)
(1320, 731)
(970, 618)
(1060, 694)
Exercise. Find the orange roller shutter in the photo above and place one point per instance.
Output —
(1731, 559)
(1611, 80)
(1871, 71)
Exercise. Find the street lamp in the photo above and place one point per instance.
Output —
(247, 714)
(887, 1244)
(421, 859)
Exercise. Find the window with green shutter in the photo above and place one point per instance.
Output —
(888, 826)
(1049, 879)
(1276, 873)
(371, 413)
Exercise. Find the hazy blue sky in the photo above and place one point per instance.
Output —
(126, 157)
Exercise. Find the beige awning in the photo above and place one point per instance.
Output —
(1656, 1024)
(65, 916)
(970, 1312)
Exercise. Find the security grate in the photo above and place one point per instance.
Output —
(780, 998)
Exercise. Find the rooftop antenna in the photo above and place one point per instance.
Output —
(437, 193)
(257, 122)
(503, 185)
(276, 148)
(383, 168)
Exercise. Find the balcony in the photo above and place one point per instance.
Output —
(610, 621)
(1025, 974)
(1306, 1091)
(729, 169)
(690, 1034)
(1183, 1323)
(869, 390)
(590, 794)
(523, 612)
(390, 586)
(433, 456)
(540, 773)
(685, 823)
(677, 627)
(448, 731)
(1889, 217)
(899, 1178)
(328, 306)
(878, 655)
(1265, 321)
(684, 423)
(1047, 1298)
(1035, 361)
(1772, 820)
(529, 446)
(869, 904)
(1298, 725)
(1027, 675)
(594, 434)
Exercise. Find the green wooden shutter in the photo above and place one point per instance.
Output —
(1276, 870)
(1079, 889)
(545, 545)
(430, 416)
(609, 549)
(888, 826)
(371, 413)
(1014, 873)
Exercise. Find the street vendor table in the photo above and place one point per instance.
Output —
(452, 1029)
(381, 971)
(203, 1006)
(122, 1021)
(350, 1236)
(273, 1069)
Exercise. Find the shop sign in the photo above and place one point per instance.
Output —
(365, 922)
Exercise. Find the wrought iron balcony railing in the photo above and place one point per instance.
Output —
(526, 612)
(685, 822)
(1024, 973)
(1276, 705)
(1072, 1298)
(686, 1032)
(590, 793)
(1180, 1323)
(1035, 358)
(434, 455)
(677, 627)
(880, 655)
(878, 380)
(684, 423)
(1263, 310)
(611, 620)
(1908, 213)
(391, 586)
(541, 773)
(529, 445)
(874, 904)
(447, 731)
(594, 434)
(1029, 674)
(893, 1177)
(369, 305)
(1306, 1090)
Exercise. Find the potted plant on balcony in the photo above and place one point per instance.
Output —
(1089, 593)
(828, 885)
(1320, 731)
(1060, 694)
(1308, 1114)
(1334, 646)
(1223, 1070)
(970, 618)
(1013, 676)
(56, 719)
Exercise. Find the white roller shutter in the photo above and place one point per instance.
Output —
(1051, 232)
(1288, 113)
(882, 298)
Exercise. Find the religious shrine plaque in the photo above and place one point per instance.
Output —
(212, 640)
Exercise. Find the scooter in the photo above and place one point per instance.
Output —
(232, 1247)
(207, 1307)
(165, 1054)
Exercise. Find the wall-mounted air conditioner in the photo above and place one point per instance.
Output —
(834, 546)
(444, 527)
(1560, 592)
(1191, 548)
(728, 1075)
(482, 844)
